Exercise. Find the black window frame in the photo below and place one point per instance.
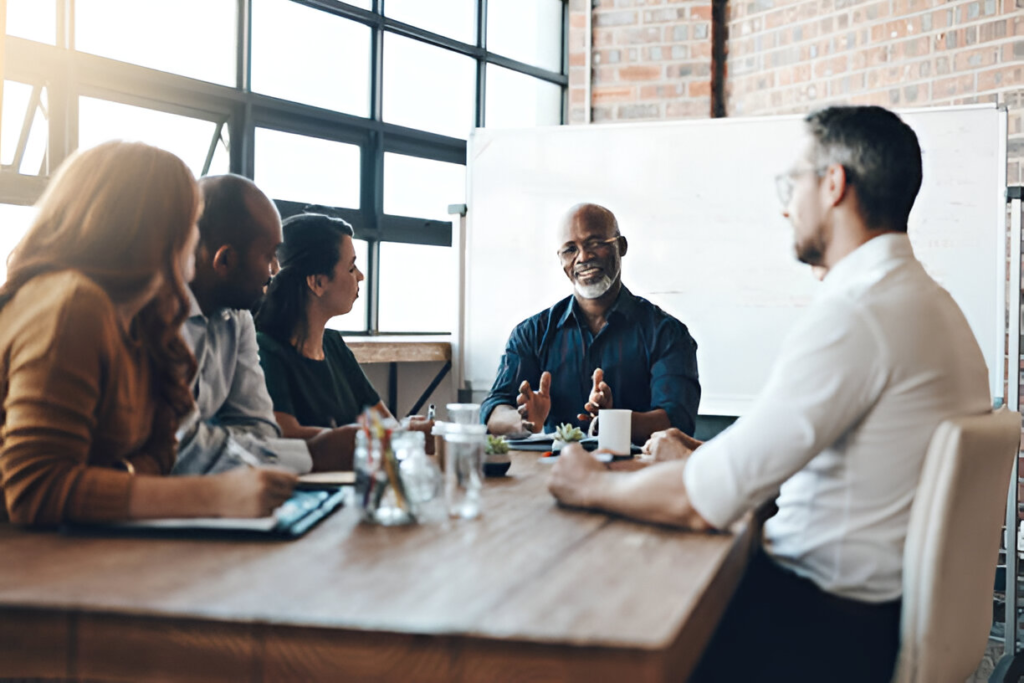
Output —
(69, 74)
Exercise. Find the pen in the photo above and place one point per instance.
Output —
(430, 412)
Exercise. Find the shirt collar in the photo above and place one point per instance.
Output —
(880, 253)
(624, 305)
(195, 311)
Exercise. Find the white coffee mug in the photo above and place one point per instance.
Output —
(615, 431)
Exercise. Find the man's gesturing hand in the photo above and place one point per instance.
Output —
(534, 406)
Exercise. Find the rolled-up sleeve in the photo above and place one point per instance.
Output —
(829, 375)
(675, 384)
(519, 362)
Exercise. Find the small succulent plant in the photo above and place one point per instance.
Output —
(566, 433)
(496, 445)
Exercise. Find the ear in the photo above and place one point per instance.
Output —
(835, 184)
(623, 247)
(315, 284)
(225, 259)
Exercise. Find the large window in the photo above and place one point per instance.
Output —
(358, 108)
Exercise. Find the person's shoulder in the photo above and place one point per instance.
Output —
(268, 344)
(54, 302)
(67, 286)
(67, 292)
(334, 343)
(659, 317)
(541, 321)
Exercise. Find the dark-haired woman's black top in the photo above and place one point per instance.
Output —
(319, 393)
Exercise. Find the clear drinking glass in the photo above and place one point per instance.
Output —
(421, 476)
(463, 471)
(464, 413)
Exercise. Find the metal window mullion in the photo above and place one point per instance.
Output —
(481, 64)
(243, 46)
(214, 141)
(65, 27)
(371, 190)
(565, 61)
(26, 125)
(242, 130)
(373, 277)
(528, 69)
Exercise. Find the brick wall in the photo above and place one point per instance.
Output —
(794, 55)
(651, 59)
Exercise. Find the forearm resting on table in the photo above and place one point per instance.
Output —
(645, 424)
(155, 497)
(505, 419)
(331, 449)
(651, 494)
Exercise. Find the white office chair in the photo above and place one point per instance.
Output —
(949, 561)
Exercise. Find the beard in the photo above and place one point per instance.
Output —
(812, 251)
(595, 290)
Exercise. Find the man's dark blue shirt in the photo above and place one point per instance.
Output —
(648, 357)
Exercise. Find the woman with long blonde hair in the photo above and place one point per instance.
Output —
(93, 370)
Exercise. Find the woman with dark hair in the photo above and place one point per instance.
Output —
(312, 375)
(93, 369)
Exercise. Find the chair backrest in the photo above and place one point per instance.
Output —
(952, 547)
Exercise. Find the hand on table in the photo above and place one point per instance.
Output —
(573, 475)
(252, 491)
(534, 406)
(671, 444)
(600, 397)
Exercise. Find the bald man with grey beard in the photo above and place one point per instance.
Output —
(601, 347)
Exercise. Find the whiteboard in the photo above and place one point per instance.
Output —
(707, 241)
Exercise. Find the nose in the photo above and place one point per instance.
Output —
(359, 275)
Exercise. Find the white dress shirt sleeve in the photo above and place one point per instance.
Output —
(830, 372)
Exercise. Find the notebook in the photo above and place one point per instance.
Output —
(308, 506)
(545, 442)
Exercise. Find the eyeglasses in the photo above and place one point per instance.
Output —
(785, 182)
(571, 250)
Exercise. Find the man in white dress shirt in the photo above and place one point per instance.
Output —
(839, 433)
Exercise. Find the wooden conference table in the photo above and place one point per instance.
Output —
(528, 592)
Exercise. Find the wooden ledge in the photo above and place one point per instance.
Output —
(399, 351)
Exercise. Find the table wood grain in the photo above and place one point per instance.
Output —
(396, 351)
(528, 592)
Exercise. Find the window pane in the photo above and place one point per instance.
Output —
(428, 87)
(33, 20)
(355, 320)
(310, 170)
(194, 38)
(307, 55)
(15, 222)
(100, 120)
(18, 97)
(453, 18)
(422, 188)
(515, 100)
(417, 288)
(526, 30)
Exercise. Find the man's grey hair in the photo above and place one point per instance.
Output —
(880, 155)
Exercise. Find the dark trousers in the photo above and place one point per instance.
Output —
(780, 627)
